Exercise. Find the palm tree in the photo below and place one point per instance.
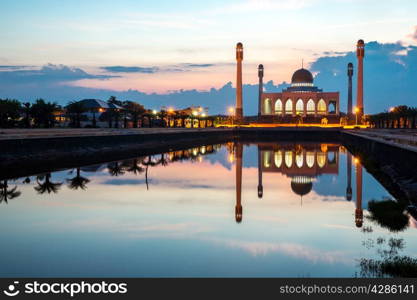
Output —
(43, 113)
(135, 110)
(148, 163)
(75, 109)
(135, 168)
(6, 194)
(26, 110)
(78, 181)
(47, 185)
(115, 169)
(162, 161)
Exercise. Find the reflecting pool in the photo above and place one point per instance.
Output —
(282, 209)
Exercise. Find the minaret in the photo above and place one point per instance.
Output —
(239, 58)
(261, 87)
(349, 177)
(238, 208)
(360, 53)
(350, 74)
(358, 210)
(260, 186)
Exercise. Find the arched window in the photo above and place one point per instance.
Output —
(267, 159)
(321, 107)
(288, 106)
(299, 106)
(332, 107)
(267, 106)
(288, 159)
(310, 159)
(310, 107)
(278, 107)
(331, 157)
(299, 159)
(278, 159)
(321, 159)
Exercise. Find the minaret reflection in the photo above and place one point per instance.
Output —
(238, 208)
(358, 210)
(349, 177)
(260, 186)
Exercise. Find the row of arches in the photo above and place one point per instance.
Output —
(298, 159)
(279, 107)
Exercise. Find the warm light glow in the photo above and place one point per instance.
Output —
(391, 109)
(203, 115)
(154, 112)
(231, 158)
(231, 110)
(356, 109)
(170, 110)
(356, 160)
(195, 113)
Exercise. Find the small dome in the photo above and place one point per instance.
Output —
(260, 66)
(361, 42)
(239, 45)
(302, 76)
(301, 189)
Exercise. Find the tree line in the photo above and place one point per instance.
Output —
(45, 114)
(397, 117)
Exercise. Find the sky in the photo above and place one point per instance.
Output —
(153, 51)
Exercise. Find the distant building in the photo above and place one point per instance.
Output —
(97, 107)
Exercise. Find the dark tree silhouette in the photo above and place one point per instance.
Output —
(46, 185)
(78, 181)
(115, 169)
(6, 194)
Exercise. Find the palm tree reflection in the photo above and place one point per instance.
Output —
(78, 181)
(6, 194)
(47, 185)
(115, 168)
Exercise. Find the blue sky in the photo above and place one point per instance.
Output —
(165, 47)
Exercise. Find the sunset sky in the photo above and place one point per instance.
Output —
(160, 46)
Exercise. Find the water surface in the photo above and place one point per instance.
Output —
(271, 209)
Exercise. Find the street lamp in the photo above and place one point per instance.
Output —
(232, 112)
(356, 114)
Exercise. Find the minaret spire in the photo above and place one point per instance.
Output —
(360, 53)
(261, 84)
(239, 59)
(238, 208)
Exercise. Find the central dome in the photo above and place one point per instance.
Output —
(302, 76)
(301, 185)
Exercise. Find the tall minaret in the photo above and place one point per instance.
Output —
(239, 58)
(238, 208)
(360, 53)
(261, 88)
(350, 74)
(358, 210)
(260, 186)
(349, 177)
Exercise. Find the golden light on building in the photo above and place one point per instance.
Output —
(170, 110)
(323, 147)
(356, 161)
(231, 158)
(195, 113)
(154, 112)
(391, 109)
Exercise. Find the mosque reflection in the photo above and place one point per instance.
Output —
(303, 163)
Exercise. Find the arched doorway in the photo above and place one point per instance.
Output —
(267, 106)
(321, 107)
(278, 107)
(288, 107)
(311, 107)
(299, 107)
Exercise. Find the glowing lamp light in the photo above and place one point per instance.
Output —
(203, 115)
(170, 110)
(356, 160)
(231, 110)
(154, 112)
(391, 109)
(195, 113)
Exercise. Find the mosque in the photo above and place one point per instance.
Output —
(301, 98)
(302, 101)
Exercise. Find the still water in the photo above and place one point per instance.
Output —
(268, 209)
